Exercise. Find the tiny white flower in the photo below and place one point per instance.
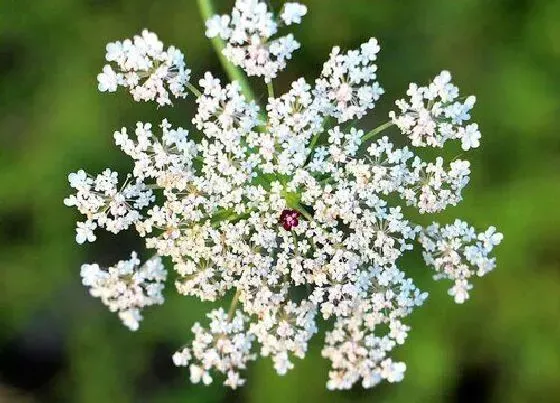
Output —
(84, 232)
(470, 137)
(292, 13)
(108, 79)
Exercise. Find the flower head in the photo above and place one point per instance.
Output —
(249, 32)
(348, 83)
(223, 202)
(127, 287)
(434, 114)
(457, 253)
(145, 68)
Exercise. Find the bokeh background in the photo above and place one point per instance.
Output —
(59, 345)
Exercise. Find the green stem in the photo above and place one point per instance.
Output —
(224, 215)
(233, 305)
(376, 131)
(294, 236)
(304, 213)
(234, 73)
(313, 144)
(270, 88)
(196, 92)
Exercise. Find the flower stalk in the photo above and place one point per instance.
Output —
(196, 92)
(233, 304)
(376, 131)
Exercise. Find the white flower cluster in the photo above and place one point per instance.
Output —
(148, 71)
(434, 114)
(104, 205)
(428, 186)
(348, 82)
(295, 119)
(167, 160)
(249, 31)
(127, 287)
(356, 347)
(225, 347)
(285, 329)
(457, 253)
(292, 211)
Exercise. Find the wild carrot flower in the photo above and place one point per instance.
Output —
(291, 208)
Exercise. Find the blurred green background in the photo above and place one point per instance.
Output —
(57, 344)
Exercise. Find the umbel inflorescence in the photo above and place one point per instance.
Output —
(290, 211)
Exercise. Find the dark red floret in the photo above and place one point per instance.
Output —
(289, 219)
